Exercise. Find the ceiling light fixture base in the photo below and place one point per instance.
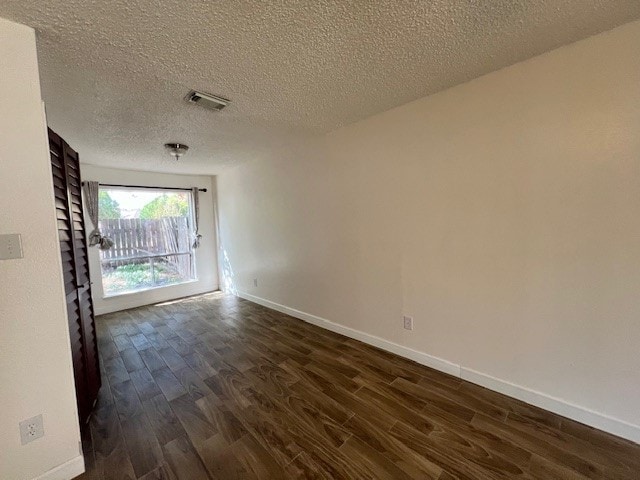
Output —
(176, 150)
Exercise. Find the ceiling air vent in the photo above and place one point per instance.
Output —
(207, 100)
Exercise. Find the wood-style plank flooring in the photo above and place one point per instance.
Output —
(215, 387)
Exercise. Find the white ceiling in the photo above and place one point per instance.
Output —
(115, 72)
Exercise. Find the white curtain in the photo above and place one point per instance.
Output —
(91, 195)
(196, 218)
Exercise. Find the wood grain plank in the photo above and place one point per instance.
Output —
(162, 419)
(215, 386)
(111, 458)
(163, 472)
(152, 360)
(193, 420)
(132, 360)
(116, 371)
(184, 460)
(142, 445)
(145, 384)
(173, 360)
(168, 383)
(192, 383)
(126, 399)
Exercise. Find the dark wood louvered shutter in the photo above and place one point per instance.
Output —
(67, 187)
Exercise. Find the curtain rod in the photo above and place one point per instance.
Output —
(146, 186)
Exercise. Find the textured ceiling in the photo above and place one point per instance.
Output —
(114, 72)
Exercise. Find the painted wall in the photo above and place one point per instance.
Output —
(206, 258)
(36, 375)
(502, 214)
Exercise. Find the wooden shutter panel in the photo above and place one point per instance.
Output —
(67, 186)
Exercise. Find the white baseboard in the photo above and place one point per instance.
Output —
(561, 407)
(556, 405)
(66, 471)
(416, 356)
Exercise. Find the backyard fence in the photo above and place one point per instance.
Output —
(136, 241)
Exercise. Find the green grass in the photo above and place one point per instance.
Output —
(138, 276)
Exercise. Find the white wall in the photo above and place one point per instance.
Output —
(503, 214)
(36, 375)
(206, 257)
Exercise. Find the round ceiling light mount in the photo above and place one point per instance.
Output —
(176, 150)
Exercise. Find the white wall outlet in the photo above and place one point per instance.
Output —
(31, 429)
(10, 246)
(255, 282)
(408, 322)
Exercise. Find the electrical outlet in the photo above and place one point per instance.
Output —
(255, 282)
(408, 322)
(31, 429)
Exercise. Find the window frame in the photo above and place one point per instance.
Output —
(151, 256)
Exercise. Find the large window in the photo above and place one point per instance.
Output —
(152, 234)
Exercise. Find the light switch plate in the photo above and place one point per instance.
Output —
(10, 246)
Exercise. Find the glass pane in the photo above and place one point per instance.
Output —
(117, 203)
(121, 276)
(172, 269)
(148, 229)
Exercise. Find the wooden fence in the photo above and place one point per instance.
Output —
(135, 240)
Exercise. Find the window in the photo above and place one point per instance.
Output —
(152, 238)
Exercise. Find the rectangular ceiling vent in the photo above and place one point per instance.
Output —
(207, 100)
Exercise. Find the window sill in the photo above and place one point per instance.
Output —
(143, 290)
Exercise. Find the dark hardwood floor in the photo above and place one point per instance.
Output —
(218, 387)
